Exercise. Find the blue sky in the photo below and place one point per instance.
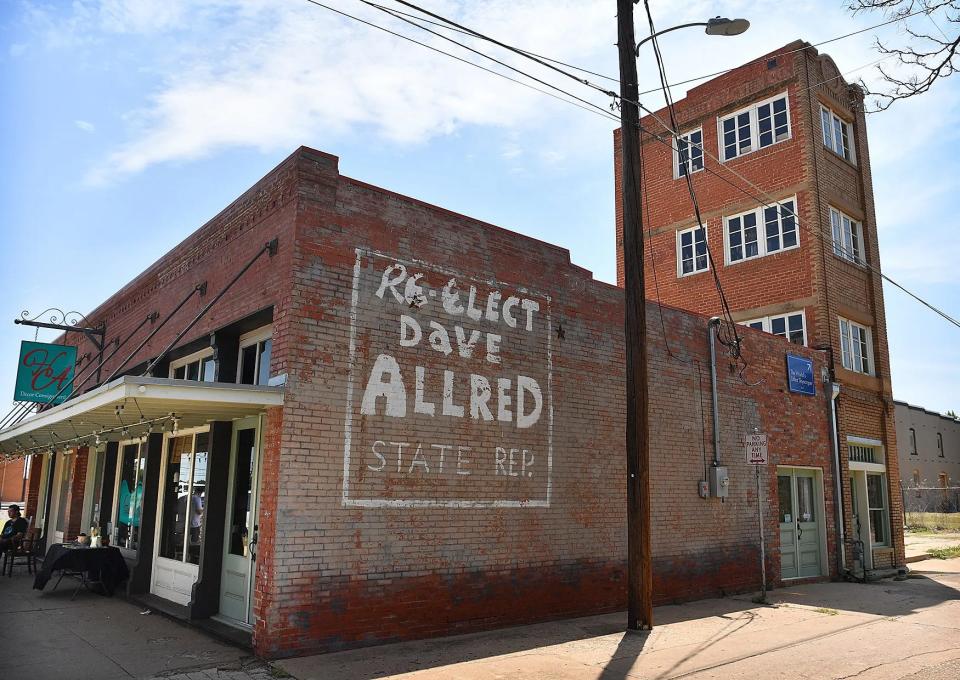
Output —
(127, 124)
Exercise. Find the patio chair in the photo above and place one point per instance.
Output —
(25, 551)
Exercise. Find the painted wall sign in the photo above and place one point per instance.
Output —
(43, 370)
(449, 393)
(800, 375)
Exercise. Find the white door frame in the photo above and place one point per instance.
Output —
(821, 515)
(58, 481)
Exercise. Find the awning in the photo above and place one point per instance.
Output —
(132, 406)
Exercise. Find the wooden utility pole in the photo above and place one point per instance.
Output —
(639, 574)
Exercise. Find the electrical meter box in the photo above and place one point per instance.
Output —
(719, 482)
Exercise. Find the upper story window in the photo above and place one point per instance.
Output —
(856, 346)
(755, 127)
(198, 366)
(692, 251)
(688, 154)
(746, 238)
(913, 442)
(254, 359)
(847, 237)
(837, 133)
(939, 444)
(790, 326)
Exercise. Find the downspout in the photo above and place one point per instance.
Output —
(838, 497)
(712, 327)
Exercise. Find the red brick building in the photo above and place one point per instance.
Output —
(413, 421)
(777, 153)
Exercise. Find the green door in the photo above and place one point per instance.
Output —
(799, 523)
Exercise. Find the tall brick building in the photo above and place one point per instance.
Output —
(401, 422)
(777, 153)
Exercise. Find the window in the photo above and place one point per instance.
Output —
(862, 454)
(913, 442)
(837, 133)
(939, 444)
(745, 240)
(198, 366)
(183, 488)
(688, 155)
(790, 326)
(692, 251)
(128, 492)
(847, 237)
(877, 505)
(755, 127)
(856, 346)
(255, 348)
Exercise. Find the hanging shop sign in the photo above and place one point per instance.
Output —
(43, 371)
(800, 375)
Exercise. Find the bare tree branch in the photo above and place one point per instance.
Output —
(925, 58)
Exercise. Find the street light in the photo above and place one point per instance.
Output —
(714, 26)
(639, 555)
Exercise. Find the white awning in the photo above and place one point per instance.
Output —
(129, 406)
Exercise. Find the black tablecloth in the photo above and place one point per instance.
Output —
(105, 565)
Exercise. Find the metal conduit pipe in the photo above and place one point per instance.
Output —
(838, 499)
(712, 326)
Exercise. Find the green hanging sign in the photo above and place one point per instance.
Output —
(44, 370)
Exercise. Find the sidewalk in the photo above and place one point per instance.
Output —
(45, 636)
(886, 629)
(917, 543)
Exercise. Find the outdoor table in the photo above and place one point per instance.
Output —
(103, 566)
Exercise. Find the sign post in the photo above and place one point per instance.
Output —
(756, 452)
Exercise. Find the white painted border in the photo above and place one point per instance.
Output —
(348, 420)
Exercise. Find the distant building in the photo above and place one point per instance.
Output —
(929, 459)
(777, 153)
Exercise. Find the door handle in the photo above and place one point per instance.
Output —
(799, 531)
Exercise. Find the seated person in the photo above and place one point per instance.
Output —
(13, 529)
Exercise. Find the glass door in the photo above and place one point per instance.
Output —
(797, 492)
(181, 516)
(240, 532)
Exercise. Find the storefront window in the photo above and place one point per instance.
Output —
(184, 490)
(66, 480)
(129, 495)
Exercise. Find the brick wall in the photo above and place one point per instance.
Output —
(372, 540)
(11, 480)
(74, 520)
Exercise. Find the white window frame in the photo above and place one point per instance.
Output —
(752, 110)
(847, 355)
(837, 124)
(685, 137)
(884, 510)
(252, 338)
(141, 444)
(693, 231)
(847, 236)
(766, 323)
(190, 359)
(759, 214)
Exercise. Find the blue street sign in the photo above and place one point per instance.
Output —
(800, 375)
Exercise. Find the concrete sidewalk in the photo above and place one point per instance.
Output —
(46, 635)
(917, 543)
(886, 629)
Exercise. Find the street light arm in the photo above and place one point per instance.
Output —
(667, 30)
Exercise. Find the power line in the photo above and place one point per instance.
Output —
(818, 233)
(601, 112)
